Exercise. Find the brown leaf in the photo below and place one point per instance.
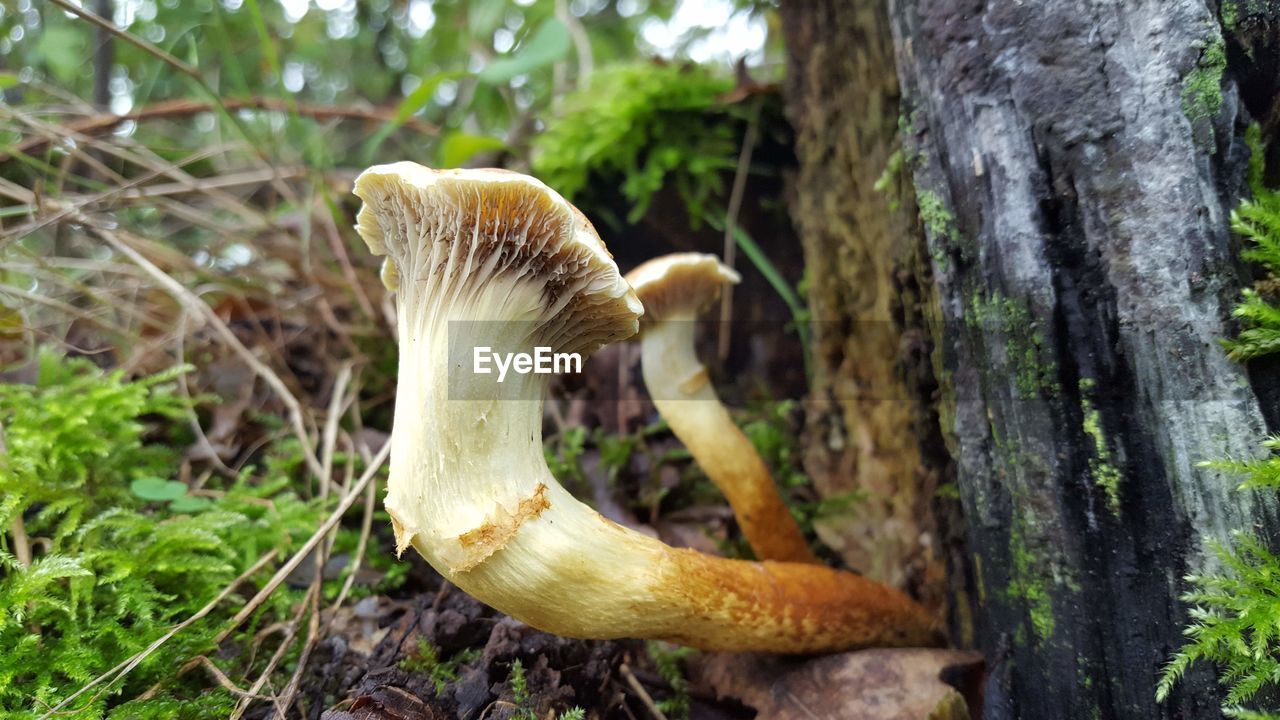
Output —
(899, 684)
(391, 703)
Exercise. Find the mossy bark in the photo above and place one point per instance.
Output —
(1076, 166)
(871, 423)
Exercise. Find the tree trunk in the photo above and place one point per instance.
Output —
(1075, 166)
(864, 263)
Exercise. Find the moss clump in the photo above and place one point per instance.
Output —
(940, 223)
(125, 552)
(1202, 88)
(425, 660)
(1105, 475)
(669, 660)
(1229, 14)
(1027, 583)
(1035, 372)
(640, 127)
(937, 219)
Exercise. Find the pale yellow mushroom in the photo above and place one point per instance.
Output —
(496, 259)
(675, 289)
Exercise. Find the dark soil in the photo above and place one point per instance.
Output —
(359, 671)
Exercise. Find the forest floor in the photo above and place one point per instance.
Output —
(261, 290)
(431, 651)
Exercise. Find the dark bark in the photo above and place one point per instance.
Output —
(1075, 165)
(871, 422)
(103, 56)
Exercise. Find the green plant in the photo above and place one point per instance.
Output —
(1234, 614)
(74, 442)
(669, 658)
(564, 455)
(1234, 611)
(426, 660)
(1258, 221)
(116, 567)
(640, 127)
(1233, 624)
(520, 691)
(1202, 87)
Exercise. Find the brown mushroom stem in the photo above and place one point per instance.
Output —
(682, 391)
(494, 258)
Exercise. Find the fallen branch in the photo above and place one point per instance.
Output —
(183, 107)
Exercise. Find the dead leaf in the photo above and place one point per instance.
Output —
(879, 684)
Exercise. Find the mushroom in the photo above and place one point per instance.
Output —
(675, 289)
(496, 259)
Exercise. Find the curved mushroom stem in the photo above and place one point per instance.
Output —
(471, 491)
(682, 391)
(499, 260)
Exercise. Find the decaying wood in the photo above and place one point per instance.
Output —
(868, 431)
(1075, 169)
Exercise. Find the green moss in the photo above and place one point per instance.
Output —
(670, 662)
(425, 660)
(125, 552)
(892, 168)
(937, 219)
(1202, 87)
(638, 128)
(1027, 584)
(980, 579)
(1229, 14)
(940, 223)
(1256, 174)
(1105, 475)
(1035, 372)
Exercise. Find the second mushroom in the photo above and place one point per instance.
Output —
(675, 289)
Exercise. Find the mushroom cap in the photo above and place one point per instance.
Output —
(680, 282)
(480, 226)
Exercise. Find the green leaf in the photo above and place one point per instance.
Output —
(157, 490)
(63, 48)
(460, 147)
(549, 43)
(484, 16)
(8, 80)
(416, 100)
(189, 503)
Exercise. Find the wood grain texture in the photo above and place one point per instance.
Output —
(871, 423)
(1076, 205)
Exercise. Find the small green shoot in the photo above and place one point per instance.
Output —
(426, 660)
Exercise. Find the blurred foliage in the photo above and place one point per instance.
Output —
(117, 569)
(484, 67)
